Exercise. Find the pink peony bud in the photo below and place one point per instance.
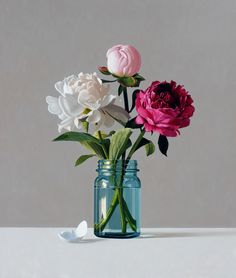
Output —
(123, 60)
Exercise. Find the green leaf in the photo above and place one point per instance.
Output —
(106, 144)
(139, 77)
(76, 136)
(150, 148)
(137, 83)
(119, 143)
(103, 134)
(132, 81)
(120, 90)
(142, 143)
(134, 95)
(95, 148)
(116, 76)
(108, 81)
(88, 141)
(163, 144)
(127, 81)
(104, 70)
(83, 158)
(132, 124)
(111, 133)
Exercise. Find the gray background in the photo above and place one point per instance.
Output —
(190, 41)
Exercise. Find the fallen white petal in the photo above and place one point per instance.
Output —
(82, 229)
(75, 235)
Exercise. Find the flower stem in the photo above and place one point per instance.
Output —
(126, 103)
(126, 100)
(135, 145)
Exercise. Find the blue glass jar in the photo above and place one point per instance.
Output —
(117, 199)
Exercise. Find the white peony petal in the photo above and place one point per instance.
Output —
(67, 124)
(71, 78)
(50, 99)
(78, 93)
(80, 75)
(67, 89)
(117, 112)
(53, 105)
(77, 123)
(108, 121)
(59, 87)
(104, 89)
(62, 116)
(70, 106)
(89, 99)
(97, 126)
(94, 117)
(108, 99)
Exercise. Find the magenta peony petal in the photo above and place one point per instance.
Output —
(164, 108)
(149, 127)
(139, 120)
(168, 132)
(142, 111)
(185, 123)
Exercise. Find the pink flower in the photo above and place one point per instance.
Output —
(123, 60)
(164, 108)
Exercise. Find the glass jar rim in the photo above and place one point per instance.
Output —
(117, 165)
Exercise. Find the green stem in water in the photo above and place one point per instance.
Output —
(135, 145)
(100, 226)
(131, 221)
(120, 198)
(129, 217)
(125, 214)
(122, 212)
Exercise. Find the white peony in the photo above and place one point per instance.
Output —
(84, 97)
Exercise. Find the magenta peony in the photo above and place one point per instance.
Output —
(123, 60)
(164, 108)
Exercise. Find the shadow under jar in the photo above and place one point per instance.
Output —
(117, 199)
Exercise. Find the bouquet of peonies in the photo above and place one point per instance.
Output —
(86, 104)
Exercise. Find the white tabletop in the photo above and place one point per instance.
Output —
(158, 253)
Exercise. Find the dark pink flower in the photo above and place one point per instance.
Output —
(164, 108)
